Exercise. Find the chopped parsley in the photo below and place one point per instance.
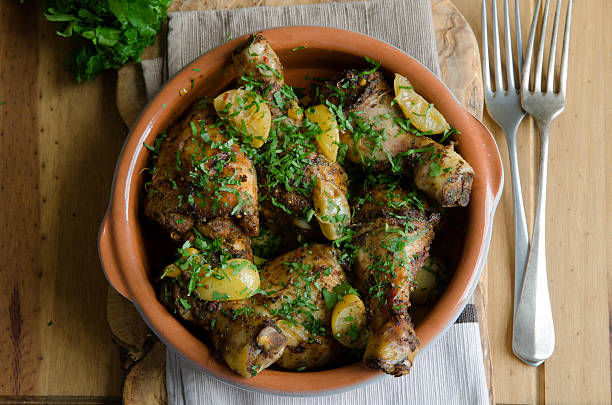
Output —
(434, 169)
(300, 307)
(184, 303)
(284, 163)
(339, 291)
(375, 67)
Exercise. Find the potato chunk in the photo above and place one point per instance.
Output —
(430, 282)
(348, 322)
(236, 279)
(329, 139)
(248, 112)
(331, 209)
(423, 115)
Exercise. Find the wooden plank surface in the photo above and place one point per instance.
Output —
(20, 264)
(58, 145)
(579, 266)
(578, 258)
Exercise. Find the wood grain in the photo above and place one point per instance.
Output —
(75, 356)
(20, 266)
(458, 55)
(58, 145)
(146, 381)
(577, 269)
(59, 400)
(579, 266)
(129, 331)
(80, 135)
(131, 93)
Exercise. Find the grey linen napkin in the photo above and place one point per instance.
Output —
(451, 371)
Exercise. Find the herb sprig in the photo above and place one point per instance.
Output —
(111, 32)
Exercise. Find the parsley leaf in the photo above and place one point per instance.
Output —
(375, 67)
(344, 288)
(434, 169)
(184, 303)
(330, 299)
(112, 32)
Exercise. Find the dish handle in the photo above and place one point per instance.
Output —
(108, 259)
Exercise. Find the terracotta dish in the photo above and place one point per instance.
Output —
(125, 244)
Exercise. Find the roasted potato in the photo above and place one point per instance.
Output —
(423, 115)
(348, 322)
(430, 281)
(331, 209)
(295, 112)
(329, 139)
(248, 112)
(236, 279)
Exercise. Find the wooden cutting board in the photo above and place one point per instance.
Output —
(143, 356)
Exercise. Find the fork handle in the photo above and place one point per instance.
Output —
(533, 339)
(521, 236)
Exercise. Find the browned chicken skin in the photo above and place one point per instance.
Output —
(289, 324)
(277, 202)
(195, 182)
(198, 191)
(296, 203)
(370, 98)
(394, 239)
(294, 283)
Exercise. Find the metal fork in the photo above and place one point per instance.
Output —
(534, 335)
(504, 106)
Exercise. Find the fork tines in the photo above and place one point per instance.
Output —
(537, 83)
(496, 47)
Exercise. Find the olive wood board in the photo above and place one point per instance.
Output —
(142, 355)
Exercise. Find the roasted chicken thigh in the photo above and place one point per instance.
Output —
(200, 175)
(294, 284)
(288, 322)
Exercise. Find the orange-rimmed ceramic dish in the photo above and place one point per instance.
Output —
(123, 245)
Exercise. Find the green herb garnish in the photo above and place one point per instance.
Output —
(112, 32)
(184, 303)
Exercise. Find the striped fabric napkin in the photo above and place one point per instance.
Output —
(451, 371)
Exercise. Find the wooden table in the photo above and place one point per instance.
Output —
(58, 145)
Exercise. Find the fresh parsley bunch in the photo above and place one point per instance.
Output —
(112, 32)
